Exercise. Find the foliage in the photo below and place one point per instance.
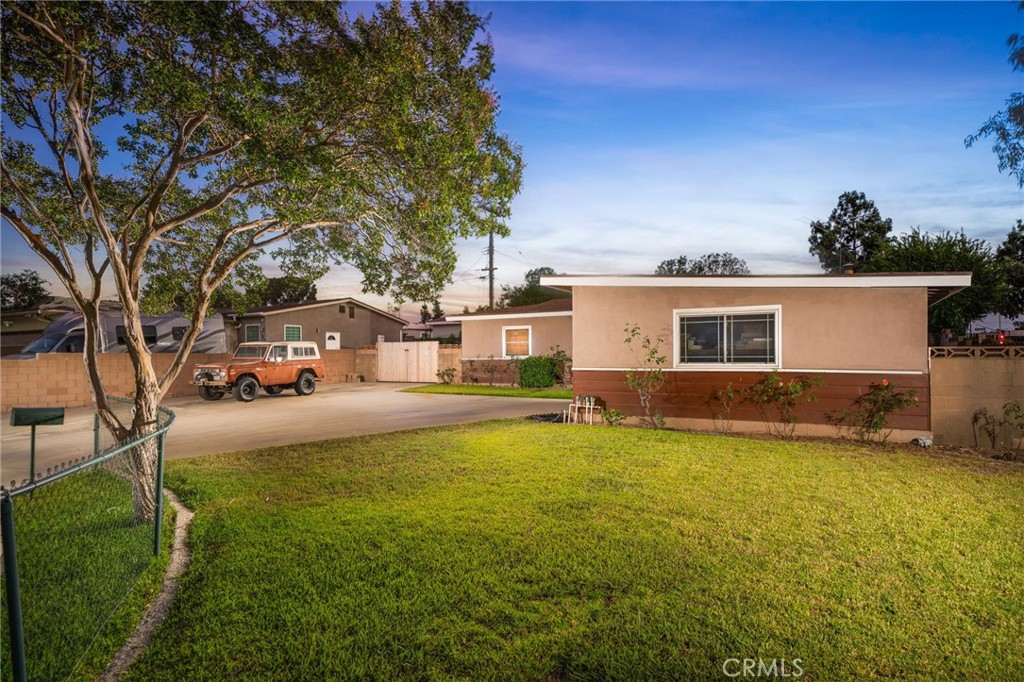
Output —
(868, 418)
(776, 400)
(991, 425)
(446, 375)
(563, 364)
(496, 391)
(288, 289)
(919, 251)
(647, 376)
(708, 264)
(174, 143)
(530, 292)
(1007, 126)
(490, 369)
(612, 417)
(1010, 255)
(984, 421)
(725, 399)
(469, 372)
(854, 232)
(537, 371)
(518, 551)
(22, 290)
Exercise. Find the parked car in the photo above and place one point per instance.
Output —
(270, 366)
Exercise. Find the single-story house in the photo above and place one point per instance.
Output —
(334, 324)
(493, 337)
(439, 330)
(851, 330)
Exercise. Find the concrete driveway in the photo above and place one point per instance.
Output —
(203, 428)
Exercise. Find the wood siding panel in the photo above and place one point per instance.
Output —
(688, 394)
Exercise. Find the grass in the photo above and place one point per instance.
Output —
(86, 574)
(520, 551)
(500, 391)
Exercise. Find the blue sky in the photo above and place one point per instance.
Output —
(651, 130)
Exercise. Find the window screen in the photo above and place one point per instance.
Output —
(744, 338)
(292, 332)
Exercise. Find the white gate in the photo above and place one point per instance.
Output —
(409, 361)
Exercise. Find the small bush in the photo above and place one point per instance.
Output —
(537, 371)
(868, 419)
(446, 375)
(612, 416)
(776, 401)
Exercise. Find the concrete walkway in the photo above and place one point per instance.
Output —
(203, 428)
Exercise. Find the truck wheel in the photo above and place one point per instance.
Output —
(245, 389)
(273, 390)
(207, 393)
(306, 384)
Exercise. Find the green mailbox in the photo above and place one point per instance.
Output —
(36, 416)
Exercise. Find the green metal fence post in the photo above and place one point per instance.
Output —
(95, 435)
(159, 494)
(13, 591)
(32, 458)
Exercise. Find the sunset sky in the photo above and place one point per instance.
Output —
(651, 130)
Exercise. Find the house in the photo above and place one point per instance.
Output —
(851, 330)
(439, 330)
(335, 324)
(493, 337)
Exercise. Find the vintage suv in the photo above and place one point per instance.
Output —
(271, 366)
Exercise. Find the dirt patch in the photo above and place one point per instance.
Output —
(181, 555)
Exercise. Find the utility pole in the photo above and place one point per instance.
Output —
(490, 271)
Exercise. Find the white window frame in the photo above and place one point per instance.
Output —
(299, 326)
(259, 333)
(529, 341)
(726, 366)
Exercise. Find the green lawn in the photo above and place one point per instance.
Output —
(86, 574)
(501, 391)
(512, 550)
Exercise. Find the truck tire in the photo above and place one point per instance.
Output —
(273, 390)
(245, 389)
(306, 384)
(207, 393)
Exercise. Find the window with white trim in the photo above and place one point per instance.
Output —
(292, 332)
(727, 336)
(515, 341)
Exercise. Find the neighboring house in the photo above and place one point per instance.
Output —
(496, 336)
(414, 331)
(335, 324)
(445, 329)
(851, 330)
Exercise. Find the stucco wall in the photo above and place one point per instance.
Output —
(961, 385)
(360, 330)
(881, 329)
(482, 338)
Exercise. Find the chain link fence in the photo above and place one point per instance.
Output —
(74, 548)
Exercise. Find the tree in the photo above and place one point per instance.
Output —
(424, 314)
(288, 289)
(919, 251)
(531, 291)
(708, 264)
(1007, 126)
(22, 290)
(436, 311)
(854, 232)
(170, 144)
(1010, 255)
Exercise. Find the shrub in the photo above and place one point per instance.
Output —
(537, 371)
(776, 401)
(725, 399)
(647, 377)
(611, 416)
(868, 418)
(446, 375)
(564, 364)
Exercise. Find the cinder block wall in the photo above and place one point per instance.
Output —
(964, 384)
(60, 380)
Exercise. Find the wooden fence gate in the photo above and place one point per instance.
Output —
(408, 361)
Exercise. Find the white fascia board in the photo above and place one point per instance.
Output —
(509, 316)
(767, 282)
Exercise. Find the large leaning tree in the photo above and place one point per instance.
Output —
(161, 148)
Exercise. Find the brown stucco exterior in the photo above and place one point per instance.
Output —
(482, 338)
(821, 329)
(361, 329)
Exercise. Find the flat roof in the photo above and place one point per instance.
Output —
(940, 285)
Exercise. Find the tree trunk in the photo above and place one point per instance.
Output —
(142, 460)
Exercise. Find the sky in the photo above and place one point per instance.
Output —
(653, 130)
